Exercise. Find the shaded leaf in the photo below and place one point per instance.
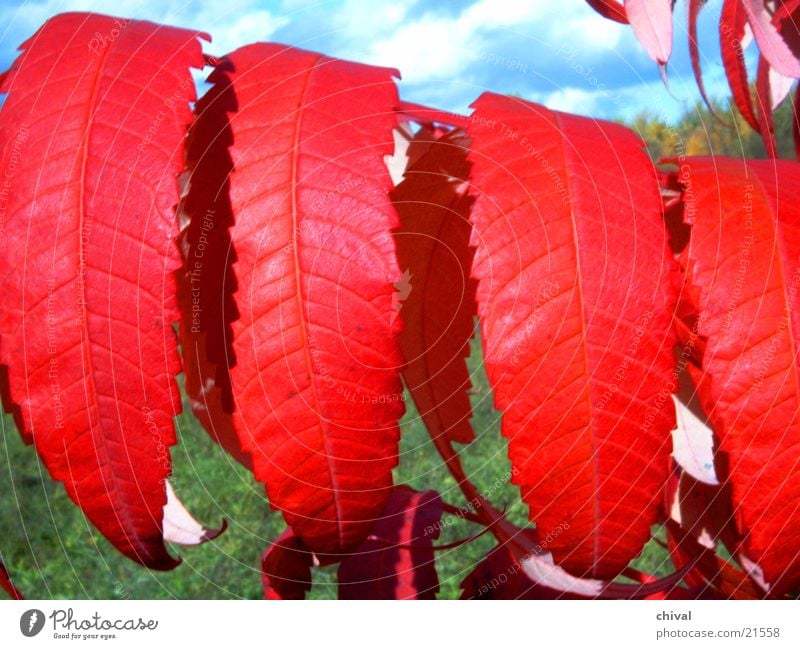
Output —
(702, 517)
(396, 561)
(206, 282)
(286, 568)
(439, 310)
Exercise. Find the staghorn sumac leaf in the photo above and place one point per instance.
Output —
(575, 295)
(206, 282)
(611, 9)
(286, 568)
(764, 107)
(742, 268)
(693, 8)
(499, 576)
(438, 311)
(88, 257)
(700, 518)
(396, 561)
(315, 366)
(732, 30)
(771, 43)
(651, 21)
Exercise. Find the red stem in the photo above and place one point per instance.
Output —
(504, 531)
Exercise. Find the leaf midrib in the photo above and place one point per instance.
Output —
(109, 476)
(300, 299)
(596, 556)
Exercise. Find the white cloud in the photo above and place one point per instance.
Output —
(574, 100)
(434, 46)
(431, 48)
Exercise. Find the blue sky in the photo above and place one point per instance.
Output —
(556, 52)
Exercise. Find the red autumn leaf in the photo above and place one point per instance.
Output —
(701, 516)
(764, 108)
(787, 20)
(315, 368)
(743, 269)
(693, 8)
(770, 41)
(732, 26)
(498, 576)
(575, 295)
(438, 311)
(396, 561)
(651, 21)
(611, 9)
(772, 87)
(286, 568)
(88, 259)
(206, 282)
(6, 585)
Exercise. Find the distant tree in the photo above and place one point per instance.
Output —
(699, 132)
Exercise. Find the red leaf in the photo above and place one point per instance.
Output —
(396, 561)
(206, 282)
(732, 24)
(770, 42)
(651, 21)
(575, 296)
(743, 265)
(438, 311)
(764, 107)
(88, 260)
(611, 9)
(286, 568)
(6, 585)
(787, 21)
(498, 576)
(315, 377)
(693, 9)
(701, 517)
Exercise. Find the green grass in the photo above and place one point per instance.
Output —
(51, 550)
